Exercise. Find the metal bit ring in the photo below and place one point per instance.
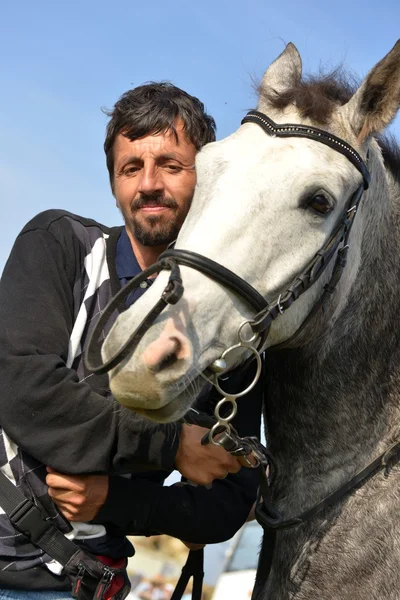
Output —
(216, 430)
(256, 376)
(241, 337)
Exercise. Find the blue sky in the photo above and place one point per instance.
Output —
(62, 61)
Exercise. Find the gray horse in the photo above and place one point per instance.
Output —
(263, 207)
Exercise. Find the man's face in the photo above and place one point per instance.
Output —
(154, 179)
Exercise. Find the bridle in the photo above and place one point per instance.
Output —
(222, 432)
(265, 312)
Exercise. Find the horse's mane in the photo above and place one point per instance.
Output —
(317, 96)
(391, 154)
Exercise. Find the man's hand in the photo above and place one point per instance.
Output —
(203, 464)
(78, 497)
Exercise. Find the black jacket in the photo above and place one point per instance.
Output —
(60, 275)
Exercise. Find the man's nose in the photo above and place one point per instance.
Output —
(151, 181)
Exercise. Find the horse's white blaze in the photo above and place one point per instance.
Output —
(249, 214)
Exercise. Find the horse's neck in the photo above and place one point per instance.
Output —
(330, 409)
(327, 417)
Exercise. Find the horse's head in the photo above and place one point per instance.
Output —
(264, 206)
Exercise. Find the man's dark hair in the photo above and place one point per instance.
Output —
(154, 108)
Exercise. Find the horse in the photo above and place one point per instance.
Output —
(268, 200)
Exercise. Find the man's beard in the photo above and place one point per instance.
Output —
(158, 234)
(155, 230)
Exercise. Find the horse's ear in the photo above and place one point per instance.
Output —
(283, 74)
(377, 100)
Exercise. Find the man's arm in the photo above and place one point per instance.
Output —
(140, 507)
(44, 408)
(193, 514)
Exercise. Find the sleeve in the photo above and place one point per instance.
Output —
(192, 514)
(44, 408)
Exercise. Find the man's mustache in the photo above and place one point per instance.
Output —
(144, 201)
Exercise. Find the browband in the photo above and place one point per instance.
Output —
(313, 133)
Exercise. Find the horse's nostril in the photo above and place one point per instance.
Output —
(170, 356)
(170, 350)
(166, 361)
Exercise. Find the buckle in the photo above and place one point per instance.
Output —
(29, 520)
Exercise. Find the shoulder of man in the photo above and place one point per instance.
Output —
(54, 219)
(76, 235)
(70, 240)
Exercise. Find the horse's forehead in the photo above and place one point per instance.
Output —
(251, 150)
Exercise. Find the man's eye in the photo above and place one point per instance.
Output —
(130, 170)
(173, 168)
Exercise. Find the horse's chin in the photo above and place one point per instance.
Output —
(170, 413)
(169, 408)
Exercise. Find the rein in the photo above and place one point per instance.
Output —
(270, 518)
(221, 431)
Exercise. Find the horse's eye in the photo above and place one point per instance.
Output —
(321, 204)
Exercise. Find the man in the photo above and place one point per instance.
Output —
(62, 271)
